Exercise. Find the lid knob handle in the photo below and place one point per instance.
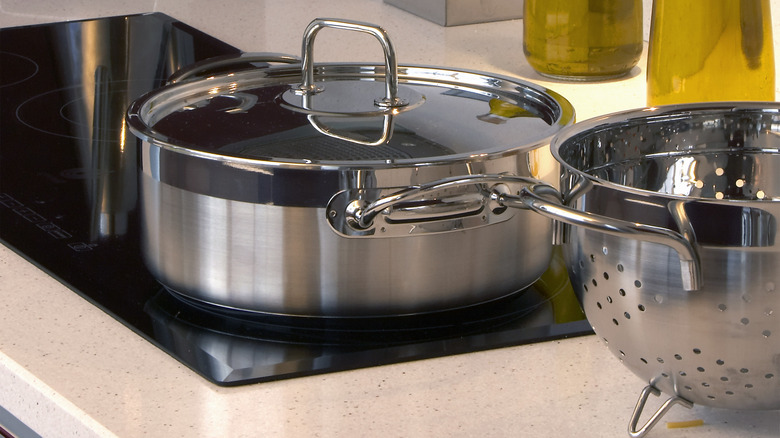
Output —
(391, 99)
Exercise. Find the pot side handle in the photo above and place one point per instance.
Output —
(536, 197)
(360, 214)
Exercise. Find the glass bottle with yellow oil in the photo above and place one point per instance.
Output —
(715, 50)
(582, 39)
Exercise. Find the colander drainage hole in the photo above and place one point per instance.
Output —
(644, 361)
(700, 369)
(744, 370)
(769, 376)
(622, 292)
(766, 333)
(719, 362)
(678, 357)
(696, 351)
(627, 315)
(606, 276)
(620, 267)
(637, 283)
(641, 307)
(615, 321)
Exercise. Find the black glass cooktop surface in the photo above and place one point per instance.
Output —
(69, 203)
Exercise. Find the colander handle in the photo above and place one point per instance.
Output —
(536, 197)
(640, 406)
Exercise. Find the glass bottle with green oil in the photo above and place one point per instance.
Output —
(582, 39)
(715, 50)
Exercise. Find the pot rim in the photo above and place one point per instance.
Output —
(560, 112)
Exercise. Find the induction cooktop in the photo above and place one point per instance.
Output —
(69, 203)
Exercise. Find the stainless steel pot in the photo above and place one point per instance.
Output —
(692, 306)
(306, 190)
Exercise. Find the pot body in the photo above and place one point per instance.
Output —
(258, 238)
(255, 184)
(707, 173)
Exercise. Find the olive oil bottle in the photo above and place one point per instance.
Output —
(582, 39)
(715, 50)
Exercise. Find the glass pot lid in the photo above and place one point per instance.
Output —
(346, 114)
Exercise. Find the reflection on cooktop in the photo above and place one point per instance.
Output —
(232, 346)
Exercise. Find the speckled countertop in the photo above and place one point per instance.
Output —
(68, 369)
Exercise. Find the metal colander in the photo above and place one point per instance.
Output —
(674, 254)
(716, 346)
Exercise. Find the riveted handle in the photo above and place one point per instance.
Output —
(360, 216)
(422, 209)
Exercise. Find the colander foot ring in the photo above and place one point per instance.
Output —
(640, 406)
